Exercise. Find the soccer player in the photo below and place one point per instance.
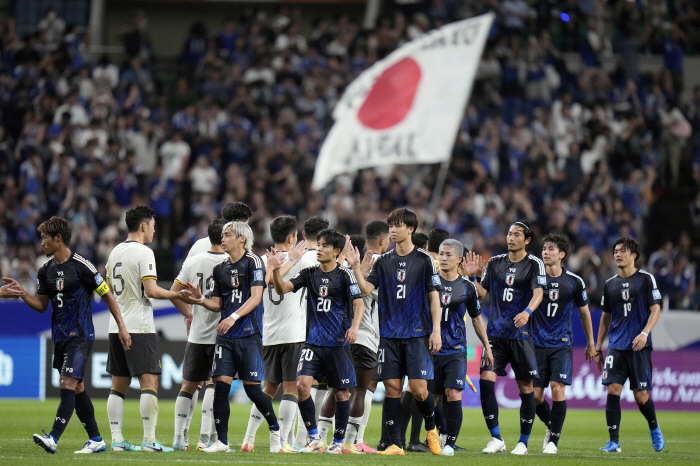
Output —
(551, 324)
(514, 282)
(232, 212)
(312, 227)
(284, 330)
(131, 270)
(199, 352)
(631, 309)
(332, 294)
(68, 280)
(407, 283)
(237, 295)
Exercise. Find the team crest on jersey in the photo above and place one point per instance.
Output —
(234, 280)
(553, 294)
(446, 298)
(626, 294)
(323, 291)
(510, 278)
(401, 274)
(59, 284)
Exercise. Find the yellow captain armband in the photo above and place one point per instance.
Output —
(103, 289)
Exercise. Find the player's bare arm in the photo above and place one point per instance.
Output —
(293, 256)
(184, 307)
(521, 319)
(352, 255)
(605, 320)
(480, 330)
(351, 334)
(153, 291)
(587, 324)
(640, 340)
(122, 333)
(39, 303)
(196, 297)
(436, 313)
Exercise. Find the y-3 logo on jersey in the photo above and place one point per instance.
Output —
(401, 274)
(446, 298)
(59, 273)
(553, 295)
(59, 284)
(510, 278)
(626, 294)
(323, 291)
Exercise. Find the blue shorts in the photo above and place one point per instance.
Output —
(450, 372)
(520, 354)
(332, 364)
(71, 357)
(240, 358)
(554, 365)
(621, 365)
(410, 357)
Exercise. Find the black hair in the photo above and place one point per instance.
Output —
(360, 243)
(137, 215)
(405, 216)
(419, 239)
(376, 229)
(282, 227)
(558, 240)
(56, 226)
(215, 230)
(630, 244)
(332, 237)
(526, 227)
(435, 239)
(314, 225)
(236, 212)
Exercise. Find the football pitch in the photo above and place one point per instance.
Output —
(584, 432)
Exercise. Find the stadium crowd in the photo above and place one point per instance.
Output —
(587, 152)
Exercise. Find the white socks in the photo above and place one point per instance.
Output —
(352, 429)
(182, 410)
(287, 415)
(208, 427)
(254, 422)
(324, 425)
(368, 407)
(195, 398)
(115, 413)
(149, 414)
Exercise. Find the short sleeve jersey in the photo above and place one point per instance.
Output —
(69, 286)
(284, 319)
(130, 264)
(552, 321)
(510, 286)
(403, 286)
(199, 270)
(457, 298)
(330, 300)
(233, 283)
(629, 300)
(200, 246)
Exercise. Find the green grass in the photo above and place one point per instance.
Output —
(584, 432)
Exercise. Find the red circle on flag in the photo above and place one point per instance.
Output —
(392, 95)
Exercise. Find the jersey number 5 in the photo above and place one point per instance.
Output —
(118, 276)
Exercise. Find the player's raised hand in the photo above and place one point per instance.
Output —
(351, 253)
(367, 263)
(472, 265)
(191, 294)
(274, 259)
(297, 252)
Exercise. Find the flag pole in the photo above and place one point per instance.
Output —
(431, 219)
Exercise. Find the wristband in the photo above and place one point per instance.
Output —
(528, 310)
(644, 333)
(598, 352)
(295, 262)
(201, 300)
(235, 316)
(473, 279)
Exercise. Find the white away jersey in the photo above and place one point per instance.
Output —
(129, 264)
(199, 270)
(284, 319)
(368, 334)
(199, 247)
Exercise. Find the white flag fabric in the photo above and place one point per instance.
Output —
(406, 108)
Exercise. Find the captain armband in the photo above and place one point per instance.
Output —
(103, 289)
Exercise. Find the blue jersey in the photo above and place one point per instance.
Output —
(232, 283)
(70, 286)
(457, 298)
(403, 284)
(510, 286)
(330, 300)
(629, 300)
(552, 321)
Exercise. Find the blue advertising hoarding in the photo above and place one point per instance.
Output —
(22, 368)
